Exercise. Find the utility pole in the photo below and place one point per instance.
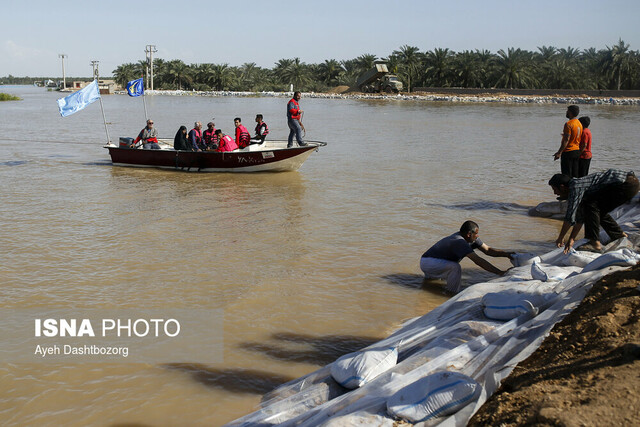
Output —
(149, 50)
(64, 78)
(96, 73)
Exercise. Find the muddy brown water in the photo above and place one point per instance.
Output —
(304, 266)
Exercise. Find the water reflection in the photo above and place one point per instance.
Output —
(301, 348)
(245, 381)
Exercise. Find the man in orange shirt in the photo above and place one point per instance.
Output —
(569, 151)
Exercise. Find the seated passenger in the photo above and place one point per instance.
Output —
(242, 134)
(195, 137)
(262, 130)
(226, 142)
(209, 137)
(149, 137)
(180, 141)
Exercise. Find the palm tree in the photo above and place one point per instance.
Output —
(618, 62)
(125, 73)
(545, 53)
(409, 61)
(281, 67)
(202, 74)
(365, 62)
(439, 69)
(468, 69)
(294, 72)
(248, 75)
(177, 73)
(222, 77)
(515, 68)
(349, 74)
(329, 71)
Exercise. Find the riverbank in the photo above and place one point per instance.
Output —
(421, 96)
(585, 373)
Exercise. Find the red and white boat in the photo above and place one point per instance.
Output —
(270, 156)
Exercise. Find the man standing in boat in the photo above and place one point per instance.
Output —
(149, 137)
(294, 117)
(442, 260)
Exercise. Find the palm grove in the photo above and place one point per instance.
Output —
(614, 68)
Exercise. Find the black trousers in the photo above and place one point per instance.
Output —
(569, 163)
(583, 167)
(596, 208)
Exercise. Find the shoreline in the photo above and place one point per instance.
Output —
(418, 96)
(585, 372)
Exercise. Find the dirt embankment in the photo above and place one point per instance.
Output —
(586, 373)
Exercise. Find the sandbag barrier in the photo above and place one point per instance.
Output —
(459, 338)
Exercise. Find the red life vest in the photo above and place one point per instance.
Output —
(293, 111)
(242, 136)
(227, 144)
(262, 129)
(209, 137)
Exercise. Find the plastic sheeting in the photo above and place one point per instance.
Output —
(458, 337)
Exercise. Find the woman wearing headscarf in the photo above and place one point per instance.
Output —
(180, 141)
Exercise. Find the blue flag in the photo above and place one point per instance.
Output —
(78, 100)
(135, 87)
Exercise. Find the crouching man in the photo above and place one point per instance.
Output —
(442, 260)
(589, 201)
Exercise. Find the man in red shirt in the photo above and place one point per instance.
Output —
(242, 134)
(294, 120)
(585, 147)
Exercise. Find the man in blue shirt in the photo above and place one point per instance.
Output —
(589, 201)
(442, 260)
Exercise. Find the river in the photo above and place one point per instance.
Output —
(301, 266)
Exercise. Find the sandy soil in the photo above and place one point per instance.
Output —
(587, 371)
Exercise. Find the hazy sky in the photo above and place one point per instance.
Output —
(34, 32)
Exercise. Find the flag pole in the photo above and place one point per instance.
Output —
(144, 102)
(104, 120)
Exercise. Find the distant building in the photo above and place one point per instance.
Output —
(107, 87)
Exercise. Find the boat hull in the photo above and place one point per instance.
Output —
(272, 157)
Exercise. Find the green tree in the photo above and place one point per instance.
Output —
(515, 69)
(329, 71)
(125, 73)
(439, 67)
(468, 69)
(618, 63)
(409, 61)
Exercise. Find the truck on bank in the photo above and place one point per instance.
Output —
(378, 79)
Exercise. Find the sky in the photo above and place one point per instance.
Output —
(33, 33)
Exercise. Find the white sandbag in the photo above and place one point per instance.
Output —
(355, 369)
(507, 305)
(440, 394)
(548, 273)
(623, 257)
(578, 258)
(518, 260)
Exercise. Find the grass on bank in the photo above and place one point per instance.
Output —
(7, 97)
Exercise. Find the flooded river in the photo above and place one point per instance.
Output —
(301, 266)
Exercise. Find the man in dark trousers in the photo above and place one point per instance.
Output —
(590, 199)
(442, 260)
(294, 121)
(569, 151)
